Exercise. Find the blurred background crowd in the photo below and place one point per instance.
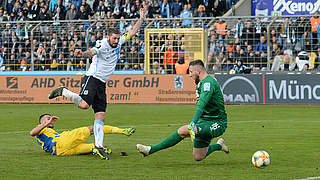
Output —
(47, 33)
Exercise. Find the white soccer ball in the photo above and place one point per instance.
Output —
(260, 159)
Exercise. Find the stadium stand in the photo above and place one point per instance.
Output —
(42, 36)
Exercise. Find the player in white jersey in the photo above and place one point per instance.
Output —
(93, 89)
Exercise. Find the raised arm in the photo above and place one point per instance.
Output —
(85, 54)
(35, 131)
(138, 24)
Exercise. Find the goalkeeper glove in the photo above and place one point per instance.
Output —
(191, 128)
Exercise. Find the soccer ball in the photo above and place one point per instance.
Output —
(260, 159)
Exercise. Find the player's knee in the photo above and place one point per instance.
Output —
(83, 106)
(90, 129)
(100, 116)
(183, 131)
(198, 154)
(198, 157)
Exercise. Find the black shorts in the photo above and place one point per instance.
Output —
(93, 92)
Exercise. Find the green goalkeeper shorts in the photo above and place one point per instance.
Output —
(207, 130)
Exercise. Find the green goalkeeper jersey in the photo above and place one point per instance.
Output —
(210, 103)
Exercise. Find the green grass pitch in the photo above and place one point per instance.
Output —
(290, 134)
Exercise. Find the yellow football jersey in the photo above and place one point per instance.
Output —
(47, 140)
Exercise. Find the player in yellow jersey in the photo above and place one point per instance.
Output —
(69, 142)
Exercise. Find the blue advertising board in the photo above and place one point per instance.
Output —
(270, 88)
(285, 7)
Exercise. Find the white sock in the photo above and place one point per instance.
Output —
(98, 133)
(75, 98)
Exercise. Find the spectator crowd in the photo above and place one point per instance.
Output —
(52, 45)
(240, 44)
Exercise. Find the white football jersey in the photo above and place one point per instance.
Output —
(105, 61)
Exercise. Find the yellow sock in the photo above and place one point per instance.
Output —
(112, 130)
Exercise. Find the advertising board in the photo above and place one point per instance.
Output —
(284, 7)
(237, 89)
(120, 88)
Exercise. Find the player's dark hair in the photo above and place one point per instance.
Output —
(197, 62)
(113, 31)
(42, 117)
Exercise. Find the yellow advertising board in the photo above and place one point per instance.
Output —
(120, 88)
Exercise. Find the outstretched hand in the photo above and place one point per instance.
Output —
(53, 119)
(48, 123)
(78, 53)
(143, 12)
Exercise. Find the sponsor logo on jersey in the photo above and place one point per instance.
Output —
(206, 86)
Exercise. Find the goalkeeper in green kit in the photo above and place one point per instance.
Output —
(209, 120)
